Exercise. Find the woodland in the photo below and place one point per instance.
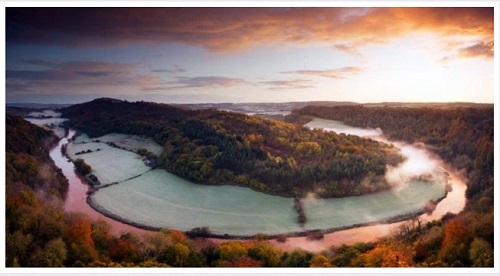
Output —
(39, 233)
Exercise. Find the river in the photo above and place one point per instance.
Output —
(77, 191)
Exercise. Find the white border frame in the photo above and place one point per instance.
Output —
(258, 3)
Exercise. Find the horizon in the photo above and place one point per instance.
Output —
(242, 55)
(238, 103)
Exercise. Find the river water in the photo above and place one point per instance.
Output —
(77, 193)
(76, 202)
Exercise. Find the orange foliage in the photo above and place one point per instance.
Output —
(79, 231)
(242, 262)
(388, 255)
(123, 250)
(177, 236)
(78, 237)
(456, 231)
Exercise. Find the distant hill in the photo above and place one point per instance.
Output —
(216, 147)
(442, 105)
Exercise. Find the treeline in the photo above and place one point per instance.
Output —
(213, 147)
(464, 138)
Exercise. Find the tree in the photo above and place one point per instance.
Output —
(82, 167)
(320, 260)
(297, 258)
(481, 253)
(456, 242)
(264, 252)
(16, 247)
(78, 237)
(232, 251)
(101, 235)
(55, 253)
(123, 250)
(387, 254)
(175, 255)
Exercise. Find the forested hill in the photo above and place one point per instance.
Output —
(217, 147)
(27, 160)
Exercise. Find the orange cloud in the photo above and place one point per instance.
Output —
(233, 29)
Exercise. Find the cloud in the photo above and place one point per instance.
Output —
(88, 76)
(478, 49)
(177, 69)
(43, 63)
(76, 76)
(71, 70)
(234, 29)
(339, 73)
(350, 49)
(204, 82)
(288, 84)
(482, 49)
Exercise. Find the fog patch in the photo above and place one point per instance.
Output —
(339, 127)
(418, 165)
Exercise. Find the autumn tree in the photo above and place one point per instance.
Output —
(78, 237)
(456, 243)
(175, 255)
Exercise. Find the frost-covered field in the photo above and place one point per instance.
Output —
(109, 164)
(50, 123)
(132, 142)
(340, 212)
(161, 199)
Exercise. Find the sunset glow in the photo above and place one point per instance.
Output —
(186, 55)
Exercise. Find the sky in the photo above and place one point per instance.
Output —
(202, 55)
